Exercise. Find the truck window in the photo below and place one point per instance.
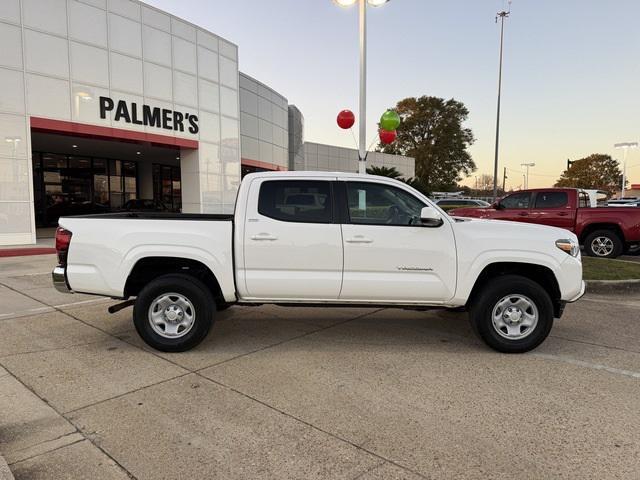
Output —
(377, 204)
(551, 199)
(516, 200)
(583, 200)
(296, 201)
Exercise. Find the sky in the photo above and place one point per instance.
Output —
(571, 75)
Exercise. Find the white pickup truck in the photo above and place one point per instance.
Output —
(319, 238)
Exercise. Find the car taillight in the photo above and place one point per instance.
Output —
(63, 239)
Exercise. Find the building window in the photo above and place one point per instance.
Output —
(167, 186)
(66, 185)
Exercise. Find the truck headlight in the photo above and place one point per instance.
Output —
(569, 246)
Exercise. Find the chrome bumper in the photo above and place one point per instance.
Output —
(60, 280)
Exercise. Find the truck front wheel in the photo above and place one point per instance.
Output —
(512, 314)
(603, 244)
(174, 313)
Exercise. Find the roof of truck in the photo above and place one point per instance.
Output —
(300, 173)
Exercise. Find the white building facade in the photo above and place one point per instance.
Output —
(109, 105)
(320, 157)
(86, 71)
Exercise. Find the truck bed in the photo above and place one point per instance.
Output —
(106, 247)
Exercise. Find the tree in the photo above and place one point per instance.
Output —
(431, 132)
(485, 183)
(418, 185)
(390, 172)
(597, 171)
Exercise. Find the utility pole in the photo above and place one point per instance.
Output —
(526, 182)
(569, 163)
(504, 180)
(502, 15)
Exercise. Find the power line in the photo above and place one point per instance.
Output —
(532, 174)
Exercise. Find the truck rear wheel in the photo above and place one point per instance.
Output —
(512, 314)
(174, 313)
(603, 244)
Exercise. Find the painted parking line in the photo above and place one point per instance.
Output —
(592, 366)
(46, 309)
(23, 313)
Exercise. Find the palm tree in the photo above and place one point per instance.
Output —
(390, 172)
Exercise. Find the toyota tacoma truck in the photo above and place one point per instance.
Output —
(321, 239)
(605, 232)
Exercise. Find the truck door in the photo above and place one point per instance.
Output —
(514, 207)
(553, 208)
(388, 254)
(292, 244)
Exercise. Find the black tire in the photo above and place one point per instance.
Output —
(482, 307)
(614, 248)
(195, 292)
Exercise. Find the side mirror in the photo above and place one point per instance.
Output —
(497, 205)
(430, 217)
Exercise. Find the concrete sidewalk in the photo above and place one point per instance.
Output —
(281, 393)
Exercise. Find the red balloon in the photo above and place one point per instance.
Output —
(387, 136)
(346, 119)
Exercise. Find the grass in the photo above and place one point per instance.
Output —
(607, 269)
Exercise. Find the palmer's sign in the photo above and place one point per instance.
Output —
(149, 116)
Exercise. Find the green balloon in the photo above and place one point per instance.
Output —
(390, 120)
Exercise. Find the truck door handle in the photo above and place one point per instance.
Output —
(264, 236)
(523, 214)
(359, 239)
(563, 214)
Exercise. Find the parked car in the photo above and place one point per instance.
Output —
(375, 242)
(58, 206)
(144, 205)
(450, 203)
(604, 231)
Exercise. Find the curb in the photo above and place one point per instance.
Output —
(619, 287)
(23, 252)
(5, 473)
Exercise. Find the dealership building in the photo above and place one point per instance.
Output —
(106, 103)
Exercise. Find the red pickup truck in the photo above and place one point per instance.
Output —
(603, 231)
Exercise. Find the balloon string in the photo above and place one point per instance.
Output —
(354, 138)
(374, 141)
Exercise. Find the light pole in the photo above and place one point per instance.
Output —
(526, 181)
(502, 15)
(362, 8)
(625, 146)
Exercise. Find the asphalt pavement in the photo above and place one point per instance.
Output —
(307, 393)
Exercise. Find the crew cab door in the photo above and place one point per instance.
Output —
(554, 208)
(388, 254)
(292, 246)
(514, 207)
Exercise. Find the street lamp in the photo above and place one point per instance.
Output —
(362, 4)
(502, 15)
(624, 146)
(526, 182)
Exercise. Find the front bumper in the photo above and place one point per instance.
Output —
(59, 277)
(579, 295)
